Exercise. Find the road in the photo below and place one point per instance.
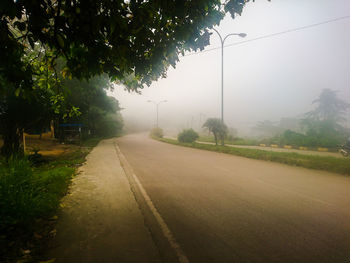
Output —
(223, 208)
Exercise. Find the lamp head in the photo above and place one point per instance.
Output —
(242, 34)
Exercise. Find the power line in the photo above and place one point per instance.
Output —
(274, 34)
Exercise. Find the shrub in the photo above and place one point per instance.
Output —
(188, 136)
(157, 132)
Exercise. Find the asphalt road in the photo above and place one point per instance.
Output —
(223, 208)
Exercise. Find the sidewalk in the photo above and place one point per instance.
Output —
(100, 220)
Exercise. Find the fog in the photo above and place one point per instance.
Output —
(267, 79)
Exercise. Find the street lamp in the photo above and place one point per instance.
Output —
(157, 106)
(222, 66)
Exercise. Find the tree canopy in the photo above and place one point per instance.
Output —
(329, 107)
(132, 41)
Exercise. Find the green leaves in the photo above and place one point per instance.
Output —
(20, 25)
(116, 37)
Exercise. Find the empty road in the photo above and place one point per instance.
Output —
(223, 208)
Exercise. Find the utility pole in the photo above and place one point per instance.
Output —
(157, 108)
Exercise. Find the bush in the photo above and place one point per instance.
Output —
(308, 140)
(157, 132)
(188, 136)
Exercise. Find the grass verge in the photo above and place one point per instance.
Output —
(236, 141)
(325, 163)
(29, 200)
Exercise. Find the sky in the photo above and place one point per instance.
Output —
(267, 79)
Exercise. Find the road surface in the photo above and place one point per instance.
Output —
(223, 208)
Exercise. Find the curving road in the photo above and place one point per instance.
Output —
(222, 208)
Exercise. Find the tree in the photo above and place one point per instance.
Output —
(121, 38)
(99, 113)
(218, 128)
(133, 42)
(329, 108)
(31, 105)
(324, 122)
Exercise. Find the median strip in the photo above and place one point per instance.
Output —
(325, 163)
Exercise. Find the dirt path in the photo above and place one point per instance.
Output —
(100, 220)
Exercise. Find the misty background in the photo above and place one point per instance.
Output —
(267, 79)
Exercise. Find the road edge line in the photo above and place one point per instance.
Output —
(163, 226)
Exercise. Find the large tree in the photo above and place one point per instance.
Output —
(325, 121)
(133, 41)
(329, 107)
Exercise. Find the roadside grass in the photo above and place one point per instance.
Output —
(325, 163)
(236, 141)
(29, 199)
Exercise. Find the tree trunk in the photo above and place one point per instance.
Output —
(13, 141)
(216, 139)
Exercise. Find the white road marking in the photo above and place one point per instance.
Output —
(165, 229)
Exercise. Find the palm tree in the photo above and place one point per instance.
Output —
(217, 127)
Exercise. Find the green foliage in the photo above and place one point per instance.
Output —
(109, 125)
(217, 127)
(121, 38)
(188, 136)
(29, 197)
(231, 140)
(322, 125)
(157, 133)
(30, 109)
(312, 140)
(99, 113)
(133, 42)
(326, 163)
(26, 195)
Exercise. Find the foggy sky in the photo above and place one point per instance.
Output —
(265, 79)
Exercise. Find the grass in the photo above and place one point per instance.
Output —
(236, 141)
(29, 199)
(325, 163)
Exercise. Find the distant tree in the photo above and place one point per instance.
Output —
(329, 107)
(218, 128)
(98, 112)
(324, 122)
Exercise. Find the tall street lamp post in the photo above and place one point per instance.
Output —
(222, 66)
(157, 106)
